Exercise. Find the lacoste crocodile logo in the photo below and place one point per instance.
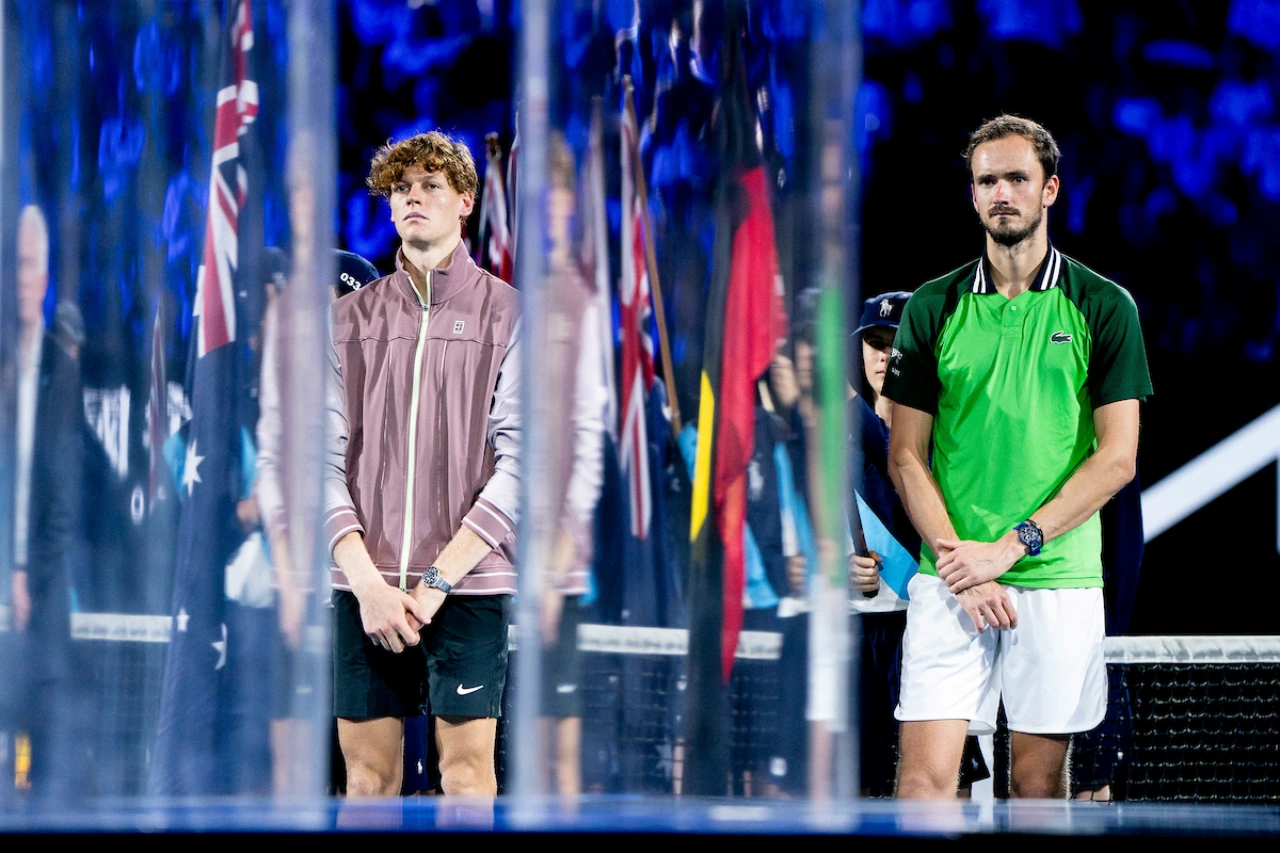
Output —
(1060, 338)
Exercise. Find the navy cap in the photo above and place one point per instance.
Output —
(804, 317)
(276, 266)
(883, 310)
(353, 272)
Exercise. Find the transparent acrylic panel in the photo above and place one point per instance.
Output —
(685, 250)
(165, 195)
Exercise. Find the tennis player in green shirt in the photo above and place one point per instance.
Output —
(1015, 381)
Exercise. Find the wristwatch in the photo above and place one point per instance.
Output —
(1030, 534)
(431, 577)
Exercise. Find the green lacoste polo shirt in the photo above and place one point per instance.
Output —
(1012, 385)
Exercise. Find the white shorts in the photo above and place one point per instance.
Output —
(1051, 669)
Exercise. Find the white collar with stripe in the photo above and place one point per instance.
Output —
(1046, 279)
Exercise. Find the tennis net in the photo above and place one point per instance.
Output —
(1190, 718)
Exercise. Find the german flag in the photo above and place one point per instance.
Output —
(745, 320)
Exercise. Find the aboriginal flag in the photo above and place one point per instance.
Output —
(745, 320)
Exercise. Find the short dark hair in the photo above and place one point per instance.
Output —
(1010, 125)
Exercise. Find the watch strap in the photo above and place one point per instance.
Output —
(432, 577)
(1030, 535)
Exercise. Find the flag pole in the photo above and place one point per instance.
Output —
(651, 261)
(597, 258)
(492, 151)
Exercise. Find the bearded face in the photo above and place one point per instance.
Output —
(1010, 191)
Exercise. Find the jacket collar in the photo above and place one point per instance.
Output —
(445, 281)
(1046, 279)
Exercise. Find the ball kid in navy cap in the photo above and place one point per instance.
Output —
(353, 272)
(882, 313)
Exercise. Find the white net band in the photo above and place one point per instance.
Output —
(1193, 649)
(752, 645)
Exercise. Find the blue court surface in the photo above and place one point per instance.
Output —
(972, 822)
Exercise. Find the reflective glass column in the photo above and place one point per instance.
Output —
(686, 247)
(165, 230)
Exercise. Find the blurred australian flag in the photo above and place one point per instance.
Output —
(193, 709)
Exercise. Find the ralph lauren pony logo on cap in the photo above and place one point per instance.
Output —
(883, 310)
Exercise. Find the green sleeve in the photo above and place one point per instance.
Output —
(1118, 361)
(912, 378)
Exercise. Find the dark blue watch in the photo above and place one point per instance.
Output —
(1030, 534)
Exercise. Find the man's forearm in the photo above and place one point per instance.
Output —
(353, 558)
(1102, 475)
(461, 555)
(1088, 489)
(282, 562)
(922, 498)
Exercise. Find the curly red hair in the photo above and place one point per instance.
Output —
(434, 152)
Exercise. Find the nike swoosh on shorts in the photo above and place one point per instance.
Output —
(464, 691)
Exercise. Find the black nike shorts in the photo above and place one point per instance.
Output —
(459, 667)
(562, 666)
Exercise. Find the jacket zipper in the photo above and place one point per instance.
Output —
(407, 542)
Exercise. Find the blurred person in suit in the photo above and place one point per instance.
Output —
(46, 509)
